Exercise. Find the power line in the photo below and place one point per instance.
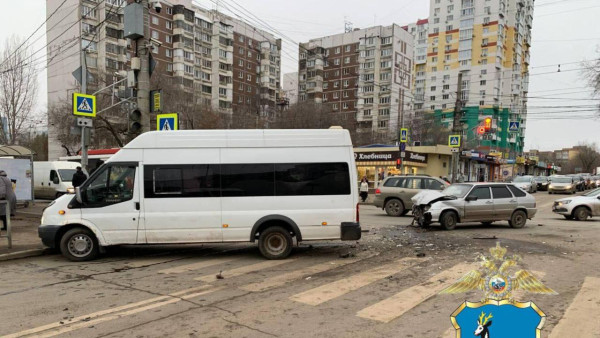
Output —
(32, 34)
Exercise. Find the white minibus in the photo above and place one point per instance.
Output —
(53, 179)
(202, 186)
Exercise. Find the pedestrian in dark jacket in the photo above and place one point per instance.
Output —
(78, 178)
(7, 193)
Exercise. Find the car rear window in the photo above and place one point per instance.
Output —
(501, 192)
(516, 191)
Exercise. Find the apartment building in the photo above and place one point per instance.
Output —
(419, 31)
(290, 87)
(488, 42)
(365, 74)
(220, 61)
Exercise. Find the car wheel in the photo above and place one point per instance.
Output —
(449, 220)
(394, 207)
(518, 219)
(486, 224)
(275, 243)
(581, 213)
(569, 217)
(79, 244)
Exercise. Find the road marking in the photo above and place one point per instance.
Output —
(340, 287)
(114, 313)
(451, 332)
(396, 305)
(297, 274)
(196, 266)
(581, 317)
(244, 270)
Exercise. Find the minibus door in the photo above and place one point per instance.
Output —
(111, 202)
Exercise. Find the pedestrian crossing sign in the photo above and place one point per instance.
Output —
(404, 135)
(167, 122)
(513, 126)
(84, 105)
(454, 141)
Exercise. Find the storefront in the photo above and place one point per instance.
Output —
(378, 163)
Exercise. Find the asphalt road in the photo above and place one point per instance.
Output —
(386, 285)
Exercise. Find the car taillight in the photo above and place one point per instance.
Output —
(357, 213)
(377, 191)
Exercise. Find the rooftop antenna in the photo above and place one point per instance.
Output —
(347, 26)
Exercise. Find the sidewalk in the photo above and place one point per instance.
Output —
(25, 240)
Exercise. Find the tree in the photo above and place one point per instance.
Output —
(588, 157)
(18, 89)
(592, 74)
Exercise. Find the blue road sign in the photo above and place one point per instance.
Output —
(84, 105)
(454, 141)
(514, 126)
(166, 122)
(404, 135)
(402, 146)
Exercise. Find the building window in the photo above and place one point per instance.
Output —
(155, 35)
(336, 62)
(337, 50)
(154, 20)
(482, 82)
(348, 48)
(336, 95)
(382, 124)
(335, 106)
(249, 54)
(384, 112)
(345, 105)
(346, 83)
(170, 10)
(249, 77)
(169, 25)
(169, 67)
(345, 93)
(385, 100)
(169, 39)
(347, 59)
(367, 112)
(168, 53)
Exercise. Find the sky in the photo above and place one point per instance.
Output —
(564, 32)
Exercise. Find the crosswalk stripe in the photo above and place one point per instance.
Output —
(340, 287)
(581, 317)
(451, 332)
(396, 305)
(244, 270)
(180, 295)
(297, 274)
(196, 266)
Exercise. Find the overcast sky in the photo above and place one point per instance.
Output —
(564, 31)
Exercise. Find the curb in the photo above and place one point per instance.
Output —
(22, 254)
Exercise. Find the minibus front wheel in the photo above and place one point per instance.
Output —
(79, 244)
(275, 242)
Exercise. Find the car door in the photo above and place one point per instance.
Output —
(393, 187)
(412, 186)
(111, 202)
(481, 209)
(504, 202)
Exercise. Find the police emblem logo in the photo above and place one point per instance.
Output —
(496, 280)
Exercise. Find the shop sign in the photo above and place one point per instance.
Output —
(376, 156)
(416, 157)
(520, 160)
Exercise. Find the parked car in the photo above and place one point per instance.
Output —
(579, 207)
(394, 195)
(596, 181)
(562, 184)
(542, 183)
(474, 202)
(53, 179)
(526, 183)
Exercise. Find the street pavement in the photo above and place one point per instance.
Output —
(387, 284)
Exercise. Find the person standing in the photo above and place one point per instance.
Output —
(7, 193)
(78, 178)
(364, 189)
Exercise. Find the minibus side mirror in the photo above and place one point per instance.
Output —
(78, 195)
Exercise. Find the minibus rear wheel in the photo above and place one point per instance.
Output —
(275, 242)
(79, 244)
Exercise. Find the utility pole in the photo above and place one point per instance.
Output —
(457, 128)
(84, 150)
(143, 77)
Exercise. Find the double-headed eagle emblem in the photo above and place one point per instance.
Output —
(496, 282)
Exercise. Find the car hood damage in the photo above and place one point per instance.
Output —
(430, 197)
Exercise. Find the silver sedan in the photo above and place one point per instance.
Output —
(474, 202)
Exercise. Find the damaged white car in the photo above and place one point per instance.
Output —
(474, 202)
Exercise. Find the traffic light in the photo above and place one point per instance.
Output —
(398, 163)
(487, 123)
(135, 118)
(480, 130)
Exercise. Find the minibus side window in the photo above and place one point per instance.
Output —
(304, 179)
(239, 180)
(113, 185)
(186, 180)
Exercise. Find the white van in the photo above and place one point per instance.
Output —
(199, 186)
(52, 179)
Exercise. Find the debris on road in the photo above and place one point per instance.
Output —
(220, 275)
(493, 237)
(420, 254)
